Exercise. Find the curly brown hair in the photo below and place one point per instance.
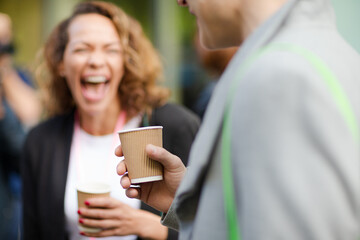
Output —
(138, 89)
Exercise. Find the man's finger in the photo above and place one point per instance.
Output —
(125, 181)
(168, 160)
(133, 192)
(118, 151)
(121, 168)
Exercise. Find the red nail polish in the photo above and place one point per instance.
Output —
(87, 203)
(82, 233)
(78, 212)
(81, 221)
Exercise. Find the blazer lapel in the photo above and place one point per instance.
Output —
(60, 164)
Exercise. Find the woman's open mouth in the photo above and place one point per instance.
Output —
(94, 87)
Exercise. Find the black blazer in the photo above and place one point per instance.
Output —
(45, 161)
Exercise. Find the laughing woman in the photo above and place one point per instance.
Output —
(101, 74)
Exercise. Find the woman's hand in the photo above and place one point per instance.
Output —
(119, 219)
(158, 194)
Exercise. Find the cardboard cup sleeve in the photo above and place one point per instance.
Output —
(140, 167)
(91, 190)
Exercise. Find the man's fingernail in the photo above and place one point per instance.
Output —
(151, 148)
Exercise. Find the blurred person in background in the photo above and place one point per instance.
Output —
(214, 62)
(100, 76)
(19, 110)
(277, 155)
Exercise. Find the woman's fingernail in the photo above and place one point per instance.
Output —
(79, 212)
(82, 233)
(81, 221)
(87, 203)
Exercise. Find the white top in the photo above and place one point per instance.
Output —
(93, 159)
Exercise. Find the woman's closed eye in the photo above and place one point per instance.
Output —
(113, 50)
(80, 50)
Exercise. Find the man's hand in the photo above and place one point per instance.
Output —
(159, 194)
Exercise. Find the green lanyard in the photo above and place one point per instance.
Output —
(334, 88)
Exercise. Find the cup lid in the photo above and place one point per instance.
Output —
(139, 129)
(94, 187)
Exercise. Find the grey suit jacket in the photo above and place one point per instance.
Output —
(296, 165)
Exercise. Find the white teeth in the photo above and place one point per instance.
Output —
(95, 79)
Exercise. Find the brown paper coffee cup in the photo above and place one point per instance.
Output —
(91, 190)
(140, 167)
